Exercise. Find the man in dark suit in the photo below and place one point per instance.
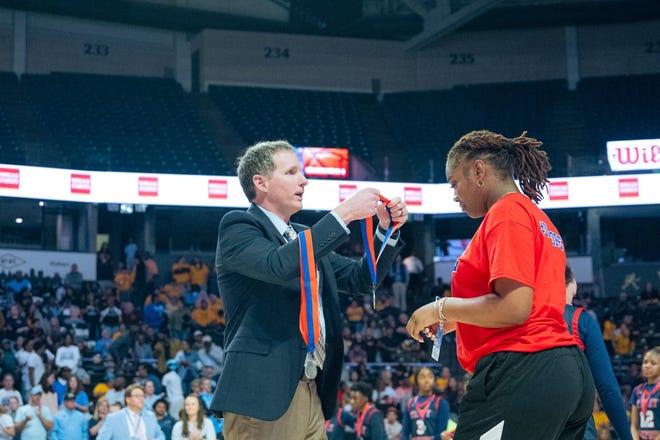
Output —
(267, 390)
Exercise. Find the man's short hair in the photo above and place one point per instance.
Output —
(128, 391)
(164, 402)
(258, 159)
(363, 388)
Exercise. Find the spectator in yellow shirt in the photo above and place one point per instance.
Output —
(214, 303)
(124, 282)
(355, 314)
(623, 343)
(205, 317)
(181, 271)
(199, 273)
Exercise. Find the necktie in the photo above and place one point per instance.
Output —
(290, 233)
(319, 351)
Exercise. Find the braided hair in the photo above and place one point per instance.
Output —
(519, 158)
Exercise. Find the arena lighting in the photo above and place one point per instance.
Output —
(126, 208)
(18, 220)
(116, 188)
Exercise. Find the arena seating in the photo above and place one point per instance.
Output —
(622, 107)
(150, 124)
(124, 123)
(429, 122)
(10, 150)
(303, 117)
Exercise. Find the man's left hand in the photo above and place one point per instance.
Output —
(399, 213)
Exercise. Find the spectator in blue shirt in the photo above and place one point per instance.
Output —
(18, 282)
(165, 420)
(33, 420)
(154, 312)
(69, 423)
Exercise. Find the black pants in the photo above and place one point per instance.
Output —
(545, 395)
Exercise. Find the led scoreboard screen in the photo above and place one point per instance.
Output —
(324, 162)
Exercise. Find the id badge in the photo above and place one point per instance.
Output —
(435, 352)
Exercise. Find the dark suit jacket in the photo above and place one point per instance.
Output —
(259, 283)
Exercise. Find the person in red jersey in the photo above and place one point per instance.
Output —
(530, 379)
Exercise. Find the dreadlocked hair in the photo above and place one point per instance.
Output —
(519, 157)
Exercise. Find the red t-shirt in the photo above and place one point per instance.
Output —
(516, 240)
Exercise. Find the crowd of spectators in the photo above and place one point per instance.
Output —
(65, 334)
(134, 324)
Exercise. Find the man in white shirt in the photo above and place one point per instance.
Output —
(21, 356)
(8, 390)
(68, 355)
(211, 355)
(117, 393)
(415, 268)
(174, 388)
(34, 420)
(34, 365)
(7, 429)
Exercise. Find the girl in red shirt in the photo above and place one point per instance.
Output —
(530, 379)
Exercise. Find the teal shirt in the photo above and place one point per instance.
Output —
(34, 429)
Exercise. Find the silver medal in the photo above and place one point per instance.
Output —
(310, 369)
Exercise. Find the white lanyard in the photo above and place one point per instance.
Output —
(136, 427)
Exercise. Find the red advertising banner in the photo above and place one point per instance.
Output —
(345, 191)
(558, 190)
(412, 195)
(10, 178)
(628, 187)
(81, 183)
(148, 186)
(218, 189)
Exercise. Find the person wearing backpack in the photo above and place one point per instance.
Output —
(369, 423)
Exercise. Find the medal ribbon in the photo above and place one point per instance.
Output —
(367, 226)
(310, 327)
(360, 420)
(645, 396)
(423, 408)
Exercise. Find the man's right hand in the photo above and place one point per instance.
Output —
(360, 205)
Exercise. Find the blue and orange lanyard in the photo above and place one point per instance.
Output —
(309, 286)
(367, 226)
(310, 327)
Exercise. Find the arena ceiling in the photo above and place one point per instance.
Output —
(417, 22)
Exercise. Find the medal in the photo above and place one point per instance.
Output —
(310, 369)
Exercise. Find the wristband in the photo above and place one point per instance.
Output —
(441, 308)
